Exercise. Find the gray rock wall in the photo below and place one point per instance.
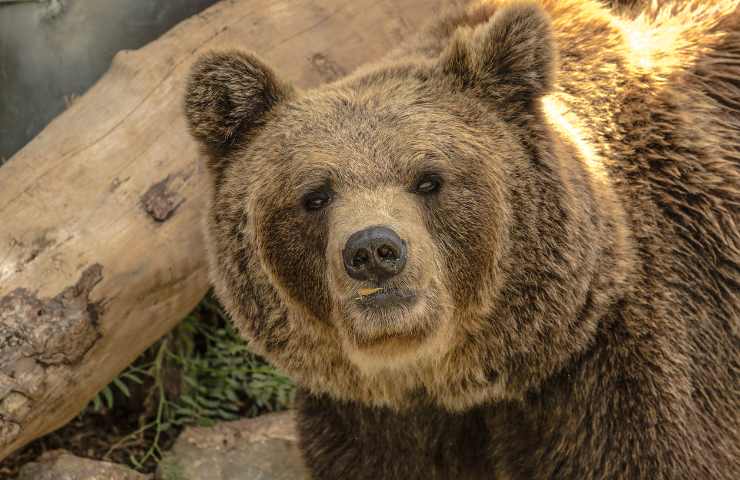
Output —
(54, 50)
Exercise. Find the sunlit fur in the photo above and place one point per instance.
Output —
(577, 273)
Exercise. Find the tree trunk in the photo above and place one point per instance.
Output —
(100, 245)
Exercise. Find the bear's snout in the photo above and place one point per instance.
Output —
(376, 253)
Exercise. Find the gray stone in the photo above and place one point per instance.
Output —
(62, 465)
(262, 448)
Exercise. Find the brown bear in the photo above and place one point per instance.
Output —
(510, 250)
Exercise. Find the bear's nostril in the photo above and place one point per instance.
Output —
(386, 253)
(362, 257)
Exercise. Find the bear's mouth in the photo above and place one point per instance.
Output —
(390, 323)
(376, 315)
(384, 298)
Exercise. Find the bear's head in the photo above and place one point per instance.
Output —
(403, 233)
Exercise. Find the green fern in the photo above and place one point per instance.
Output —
(200, 373)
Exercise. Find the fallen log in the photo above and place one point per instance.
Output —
(100, 246)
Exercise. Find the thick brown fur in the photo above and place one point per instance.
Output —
(577, 272)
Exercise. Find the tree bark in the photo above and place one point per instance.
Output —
(100, 245)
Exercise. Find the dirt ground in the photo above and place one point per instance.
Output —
(99, 436)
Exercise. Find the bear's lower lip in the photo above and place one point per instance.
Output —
(388, 298)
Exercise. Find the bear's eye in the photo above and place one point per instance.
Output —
(316, 200)
(428, 183)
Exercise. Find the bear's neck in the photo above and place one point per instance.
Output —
(576, 254)
(570, 257)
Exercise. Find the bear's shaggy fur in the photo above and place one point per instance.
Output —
(576, 271)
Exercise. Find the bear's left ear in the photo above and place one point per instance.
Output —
(228, 96)
(510, 59)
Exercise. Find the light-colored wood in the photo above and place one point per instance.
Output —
(100, 245)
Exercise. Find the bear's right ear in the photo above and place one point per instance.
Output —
(228, 95)
(510, 59)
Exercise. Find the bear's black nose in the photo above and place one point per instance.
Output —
(375, 253)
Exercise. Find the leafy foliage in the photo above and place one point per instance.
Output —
(200, 373)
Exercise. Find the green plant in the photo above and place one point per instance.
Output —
(200, 373)
(105, 396)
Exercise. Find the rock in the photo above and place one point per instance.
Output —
(62, 465)
(262, 448)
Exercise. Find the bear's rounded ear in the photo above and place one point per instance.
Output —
(227, 97)
(509, 59)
